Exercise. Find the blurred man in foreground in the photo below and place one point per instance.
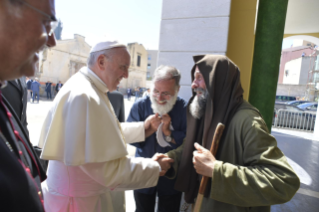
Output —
(26, 28)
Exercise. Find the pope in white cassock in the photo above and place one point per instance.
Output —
(85, 143)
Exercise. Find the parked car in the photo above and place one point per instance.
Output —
(296, 102)
(310, 106)
(282, 98)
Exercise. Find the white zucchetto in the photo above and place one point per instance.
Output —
(106, 45)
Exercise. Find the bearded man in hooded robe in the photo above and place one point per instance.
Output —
(249, 172)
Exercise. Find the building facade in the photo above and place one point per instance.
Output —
(151, 63)
(289, 55)
(137, 69)
(62, 61)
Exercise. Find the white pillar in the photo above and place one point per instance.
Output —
(190, 28)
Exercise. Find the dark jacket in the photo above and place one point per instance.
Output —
(139, 112)
(57, 86)
(117, 101)
(29, 82)
(18, 191)
(48, 86)
(17, 95)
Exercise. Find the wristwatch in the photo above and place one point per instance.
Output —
(168, 138)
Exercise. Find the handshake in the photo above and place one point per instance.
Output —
(164, 161)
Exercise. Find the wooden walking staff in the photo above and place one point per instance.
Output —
(213, 149)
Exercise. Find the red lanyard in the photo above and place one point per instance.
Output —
(18, 137)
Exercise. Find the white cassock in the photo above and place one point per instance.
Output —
(84, 142)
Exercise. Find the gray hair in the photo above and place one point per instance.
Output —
(108, 53)
(167, 73)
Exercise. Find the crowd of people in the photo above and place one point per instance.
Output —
(84, 135)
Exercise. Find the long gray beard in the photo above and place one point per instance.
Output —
(163, 109)
(198, 105)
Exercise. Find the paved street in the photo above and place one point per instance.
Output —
(301, 149)
(303, 156)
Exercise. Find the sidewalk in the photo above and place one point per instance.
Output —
(36, 114)
(298, 133)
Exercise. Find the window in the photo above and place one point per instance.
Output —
(148, 66)
(138, 60)
(149, 57)
(287, 73)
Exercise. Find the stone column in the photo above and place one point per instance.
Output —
(268, 40)
(190, 28)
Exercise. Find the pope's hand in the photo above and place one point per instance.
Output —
(152, 122)
(164, 161)
(203, 161)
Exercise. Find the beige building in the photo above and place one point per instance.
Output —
(64, 60)
(137, 69)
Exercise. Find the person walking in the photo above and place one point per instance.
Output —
(137, 93)
(35, 87)
(48, 85)
(29, 82)
(58, 87)
(129, 92)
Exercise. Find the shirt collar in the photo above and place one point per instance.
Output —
(95, 79)
(3, 84)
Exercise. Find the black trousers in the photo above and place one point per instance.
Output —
(146, 202)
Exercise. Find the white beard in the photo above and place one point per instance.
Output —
(198, 105)
(163, 109)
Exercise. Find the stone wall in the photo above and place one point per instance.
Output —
(291, 90)
(191, 28)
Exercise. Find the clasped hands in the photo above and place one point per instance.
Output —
(164, 161)
(152, 123)
(203, 161)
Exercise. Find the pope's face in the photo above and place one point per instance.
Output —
(25, 33)
(117, 68)
(199, 82)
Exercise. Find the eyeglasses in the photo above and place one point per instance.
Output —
(53, 22)
(166, 95)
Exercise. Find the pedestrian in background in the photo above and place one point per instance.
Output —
(129, 92)
(58, 86)
(146, 93)
(137, 93)
(48, 85)
(35, 87)
(29, 82)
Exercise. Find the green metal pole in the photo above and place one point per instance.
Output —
(267, 51)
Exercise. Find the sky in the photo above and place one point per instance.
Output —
(286, 43)
(126, 21)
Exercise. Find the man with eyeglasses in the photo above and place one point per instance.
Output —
(25, 29)
(167, 113)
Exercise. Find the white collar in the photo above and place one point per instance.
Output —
(95, 79)
(3, 84)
